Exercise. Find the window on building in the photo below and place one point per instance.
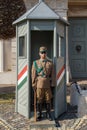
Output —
(22, 47)
(63, 48)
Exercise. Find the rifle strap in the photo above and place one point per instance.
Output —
(38, 70)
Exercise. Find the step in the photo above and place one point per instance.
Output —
(44, 124)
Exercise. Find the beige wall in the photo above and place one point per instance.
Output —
(13, 54)
(7, 55)
(8, 63)
(1, 55)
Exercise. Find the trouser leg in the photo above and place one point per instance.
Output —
(48, 112)
(39, 106)
(48, 96)
(40, 95)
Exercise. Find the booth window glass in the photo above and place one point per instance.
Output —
(22, 46)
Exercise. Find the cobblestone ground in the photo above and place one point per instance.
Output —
(9, 120)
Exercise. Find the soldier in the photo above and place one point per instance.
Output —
(42, 81)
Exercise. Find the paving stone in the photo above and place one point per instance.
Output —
(68, 121)
(50, 128)
(33, 129)
(59, 128)
(63, 127)
(55, 128)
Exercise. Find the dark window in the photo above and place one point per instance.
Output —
(22, 46)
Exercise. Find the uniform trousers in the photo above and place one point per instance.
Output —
(44, 94)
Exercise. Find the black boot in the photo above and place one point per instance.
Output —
(39, 105)
(48, 113)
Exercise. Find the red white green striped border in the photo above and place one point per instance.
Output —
(22, 77)
(60, 74)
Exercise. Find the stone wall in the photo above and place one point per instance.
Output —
(7, 55)
(8, 75)
(13, 54)
(59, 6)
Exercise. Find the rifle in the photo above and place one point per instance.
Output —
(35, 103)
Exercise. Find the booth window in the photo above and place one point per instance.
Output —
(22, 47)
(57, 45)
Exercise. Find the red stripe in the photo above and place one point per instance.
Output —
(58, 75)
(22, 72)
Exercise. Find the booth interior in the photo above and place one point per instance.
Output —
(38, 39)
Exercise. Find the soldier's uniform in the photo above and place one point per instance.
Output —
(43, 79)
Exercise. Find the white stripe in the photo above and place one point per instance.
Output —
(23, 76)
(61, 76)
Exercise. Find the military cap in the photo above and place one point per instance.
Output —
(42, 49)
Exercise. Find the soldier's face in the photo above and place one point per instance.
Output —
(43, 55)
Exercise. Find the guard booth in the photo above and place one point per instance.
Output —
(40, 26)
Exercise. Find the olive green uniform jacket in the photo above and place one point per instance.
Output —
(45, 78)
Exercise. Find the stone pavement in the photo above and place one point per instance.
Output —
(9, 120)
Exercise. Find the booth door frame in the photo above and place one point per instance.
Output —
(60, 55)
(36, 26)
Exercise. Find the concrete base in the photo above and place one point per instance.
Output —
(82, 105)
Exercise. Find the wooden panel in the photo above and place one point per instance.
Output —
(42, 25)
(79, 65)
(22, 87)
(22, 29)
(60, 105)
(21, 64)
(78, 47)
(60, 29)
(22, 109)
(22, 95)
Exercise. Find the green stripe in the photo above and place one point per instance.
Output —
(22, 83)
(60, 84)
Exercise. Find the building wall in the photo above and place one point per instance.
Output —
(7, 55)
(59, 6)
(13, 54)
(77, 8)
(8, 73)
(77, 11)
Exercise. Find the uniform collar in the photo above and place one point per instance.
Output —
(43, 60)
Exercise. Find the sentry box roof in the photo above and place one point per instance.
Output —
(40, 11)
